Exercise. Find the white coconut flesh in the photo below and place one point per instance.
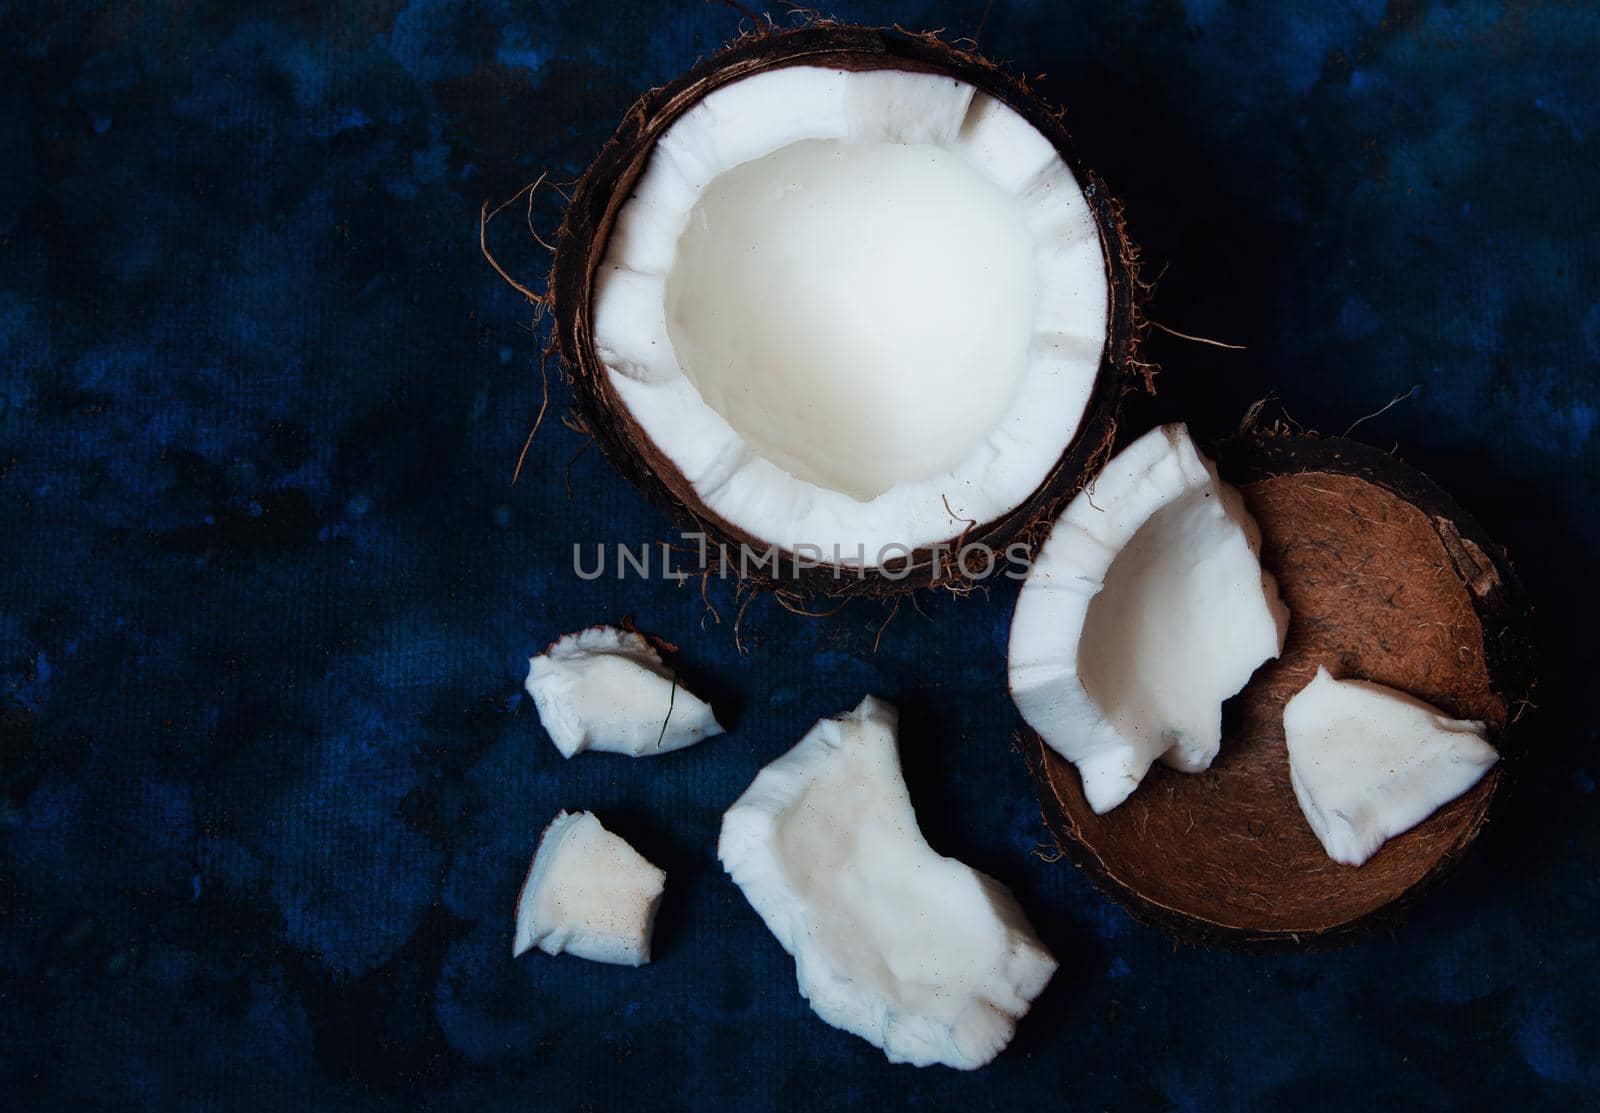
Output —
(838, 299)
(917, 953)
(589, 894)
(1368, 762)
(1144, 611)
(608, 689)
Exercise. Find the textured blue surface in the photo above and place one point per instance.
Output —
(269, 781)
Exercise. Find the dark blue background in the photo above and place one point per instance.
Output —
(270, 782)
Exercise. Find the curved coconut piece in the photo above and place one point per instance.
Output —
(1368, 762)
(1387, 579)
(763, 335)
(608, 689)
(588, 893)
(914, 952)
(1144, 611)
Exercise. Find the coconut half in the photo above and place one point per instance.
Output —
(845, 294)
(588, 893)
(1387, 579)
(914, 952)
(608, 689)
(1144, 611)
(1368, 762)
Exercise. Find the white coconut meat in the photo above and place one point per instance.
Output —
(588, 893)
(608, 689)
(917, 953)
(1144, 611)
(1368, 762)
(837, 299)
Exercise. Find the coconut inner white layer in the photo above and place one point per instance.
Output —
(838, 299)
(1368, 762)
(857, 375)
(1144, 611)
(918, 953)
(588, 893)
(608, 689)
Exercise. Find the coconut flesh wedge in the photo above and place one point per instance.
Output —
(1144, 611)
(914, 952)
(608, 689)
(588, 893)
(845, 298)
(1368, 762)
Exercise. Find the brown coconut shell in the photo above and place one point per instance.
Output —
(607, 185)
(1387, 579)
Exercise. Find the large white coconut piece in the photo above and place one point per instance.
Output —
(588, 893)
(917, 953)
(1368, 762)
(837, 299)
(608, 689)
(1145, 609)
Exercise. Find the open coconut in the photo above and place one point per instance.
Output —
(1387, 581)
(841, 297)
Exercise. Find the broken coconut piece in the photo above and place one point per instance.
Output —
(1368, 762)
(1144, 611)
(844, 293)
(917, 953)
(608, 689)
(589, 894)
(1386, 575)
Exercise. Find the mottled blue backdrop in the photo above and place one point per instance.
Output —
(269, 778)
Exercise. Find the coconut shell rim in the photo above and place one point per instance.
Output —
(585, 232)
(1510, 658)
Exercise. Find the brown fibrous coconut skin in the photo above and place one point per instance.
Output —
(1387, 579)
(606, 187)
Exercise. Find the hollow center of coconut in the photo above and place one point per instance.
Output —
(853, 309)
(858, 312)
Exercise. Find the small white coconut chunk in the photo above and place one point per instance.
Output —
(1368, 762)
(608, 689)
(1144, 611)
(917, 953)
(589, 894)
